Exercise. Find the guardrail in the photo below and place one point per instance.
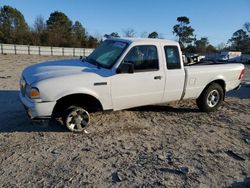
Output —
(43, 50)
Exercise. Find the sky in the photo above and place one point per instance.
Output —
(215, 19)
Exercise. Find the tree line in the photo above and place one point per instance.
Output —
(60, 31)
(240, 40)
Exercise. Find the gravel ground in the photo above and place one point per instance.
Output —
(169, 145)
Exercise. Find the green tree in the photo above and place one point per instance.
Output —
(247, 27)
(113, 34)
(13, 28)
(92, 42)
(59, 19)
(211, 49)
(190, 49)
(201, 45)
(239, 41)
(247, 40)
(153, 35)
(59, 29)
(79, 35)
(183, 31)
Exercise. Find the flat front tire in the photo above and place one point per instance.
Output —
(76, 119)
(211, 98)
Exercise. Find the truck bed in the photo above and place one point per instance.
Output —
(200, 75)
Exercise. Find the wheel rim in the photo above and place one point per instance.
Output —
(77, 120)
(213, 98)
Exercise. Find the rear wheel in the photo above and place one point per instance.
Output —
(76, 119)
(211, 98)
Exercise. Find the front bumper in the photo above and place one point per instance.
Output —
(37, 109)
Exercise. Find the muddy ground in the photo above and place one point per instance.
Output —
(169, 145)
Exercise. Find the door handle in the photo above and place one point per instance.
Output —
(157, 77)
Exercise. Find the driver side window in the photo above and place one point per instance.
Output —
(144, 58)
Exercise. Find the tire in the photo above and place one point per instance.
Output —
(211, 98)
(76, 119)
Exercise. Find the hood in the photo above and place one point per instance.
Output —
(51, 69)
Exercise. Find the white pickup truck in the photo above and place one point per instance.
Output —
(121, 74)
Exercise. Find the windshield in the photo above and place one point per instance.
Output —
(107, 53)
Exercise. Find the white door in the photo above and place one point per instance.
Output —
(175, 75)
(144, 86)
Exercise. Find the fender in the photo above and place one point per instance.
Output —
(106, 104)
(77, 91)
(217, 78)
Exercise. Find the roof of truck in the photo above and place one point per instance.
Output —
(146, 40)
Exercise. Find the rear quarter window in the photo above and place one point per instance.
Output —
(172, 57)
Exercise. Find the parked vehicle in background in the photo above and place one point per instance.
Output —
(121, 74)
(230, 56)
(194, 58)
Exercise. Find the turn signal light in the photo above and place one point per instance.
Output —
(34, 93)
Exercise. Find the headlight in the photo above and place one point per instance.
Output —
(22, 86)
(32, 92)
(22, 82)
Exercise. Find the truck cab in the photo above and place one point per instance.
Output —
(145, 84)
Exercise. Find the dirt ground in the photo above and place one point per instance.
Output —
(170, 145)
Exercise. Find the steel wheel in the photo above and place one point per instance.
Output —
(213, 98)
(77, 119)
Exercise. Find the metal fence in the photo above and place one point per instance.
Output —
(43, 50)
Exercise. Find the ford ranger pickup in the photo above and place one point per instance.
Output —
(120, 74)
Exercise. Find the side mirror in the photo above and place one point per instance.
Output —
(125, 68)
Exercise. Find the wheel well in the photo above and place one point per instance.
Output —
(221, 83)
(89, 102)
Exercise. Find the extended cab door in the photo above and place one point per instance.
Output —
(144, 86)
(175, 74)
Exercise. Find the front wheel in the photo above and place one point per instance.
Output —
(211, 98)
(76, 119)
